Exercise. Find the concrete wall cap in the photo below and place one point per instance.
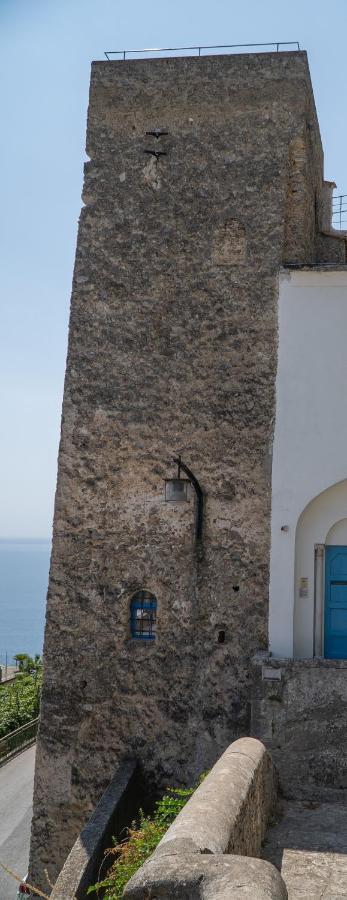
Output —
(208, 878)
(210, 817)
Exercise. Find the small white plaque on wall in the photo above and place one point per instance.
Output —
(269, 674)
(303, 587)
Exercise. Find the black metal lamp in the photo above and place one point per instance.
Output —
(176, 490)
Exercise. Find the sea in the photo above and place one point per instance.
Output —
(24, 566)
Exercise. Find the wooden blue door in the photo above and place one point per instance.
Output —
(335, 618)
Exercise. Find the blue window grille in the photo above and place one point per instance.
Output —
(143, 616)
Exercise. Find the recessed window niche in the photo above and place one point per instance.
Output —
(143, 616)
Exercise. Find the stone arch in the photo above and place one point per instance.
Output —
(337, 534)
(323, 521)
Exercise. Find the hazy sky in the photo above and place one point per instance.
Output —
(46, 47)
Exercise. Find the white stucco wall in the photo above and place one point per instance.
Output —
(310, 443)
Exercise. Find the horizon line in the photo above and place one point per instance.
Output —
(23, 540)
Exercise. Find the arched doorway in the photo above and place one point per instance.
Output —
(320, 583)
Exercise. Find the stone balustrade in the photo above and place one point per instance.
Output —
(211, 848)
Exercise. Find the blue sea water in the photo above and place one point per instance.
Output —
(24, 566)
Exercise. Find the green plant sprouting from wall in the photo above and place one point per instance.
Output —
(141, 840)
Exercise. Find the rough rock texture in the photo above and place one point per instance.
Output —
(301, 716)
(332, 249)
(172, 345)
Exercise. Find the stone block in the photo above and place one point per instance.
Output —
(194, 877)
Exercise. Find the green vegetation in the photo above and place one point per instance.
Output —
(20, 700)
(27, 663)
(142, 839)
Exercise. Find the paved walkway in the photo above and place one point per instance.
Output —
(16, 791)
(308, 844)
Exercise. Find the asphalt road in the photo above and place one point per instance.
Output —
(16, 794)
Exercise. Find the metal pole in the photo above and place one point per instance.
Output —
(199, 496)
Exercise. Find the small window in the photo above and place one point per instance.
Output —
(143, 615)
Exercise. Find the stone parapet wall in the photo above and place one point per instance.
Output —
(227, 814)
(331, 249)
(299, 710)
(230, 810)
(117, 807)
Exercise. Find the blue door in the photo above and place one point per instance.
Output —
(335, 618)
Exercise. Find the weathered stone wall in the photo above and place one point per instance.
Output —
(332, 249)
(299, 710)
(172, 345)
(86, 863)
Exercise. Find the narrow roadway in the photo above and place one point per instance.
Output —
(16, 794)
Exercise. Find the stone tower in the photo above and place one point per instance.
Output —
(205, 176)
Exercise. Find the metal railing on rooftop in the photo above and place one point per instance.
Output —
(340, 212)
(198, 49)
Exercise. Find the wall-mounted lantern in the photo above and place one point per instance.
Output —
(176, 490)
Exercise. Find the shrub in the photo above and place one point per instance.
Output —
(20, 700)
(28, 664)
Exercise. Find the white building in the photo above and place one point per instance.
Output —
(308, 579)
